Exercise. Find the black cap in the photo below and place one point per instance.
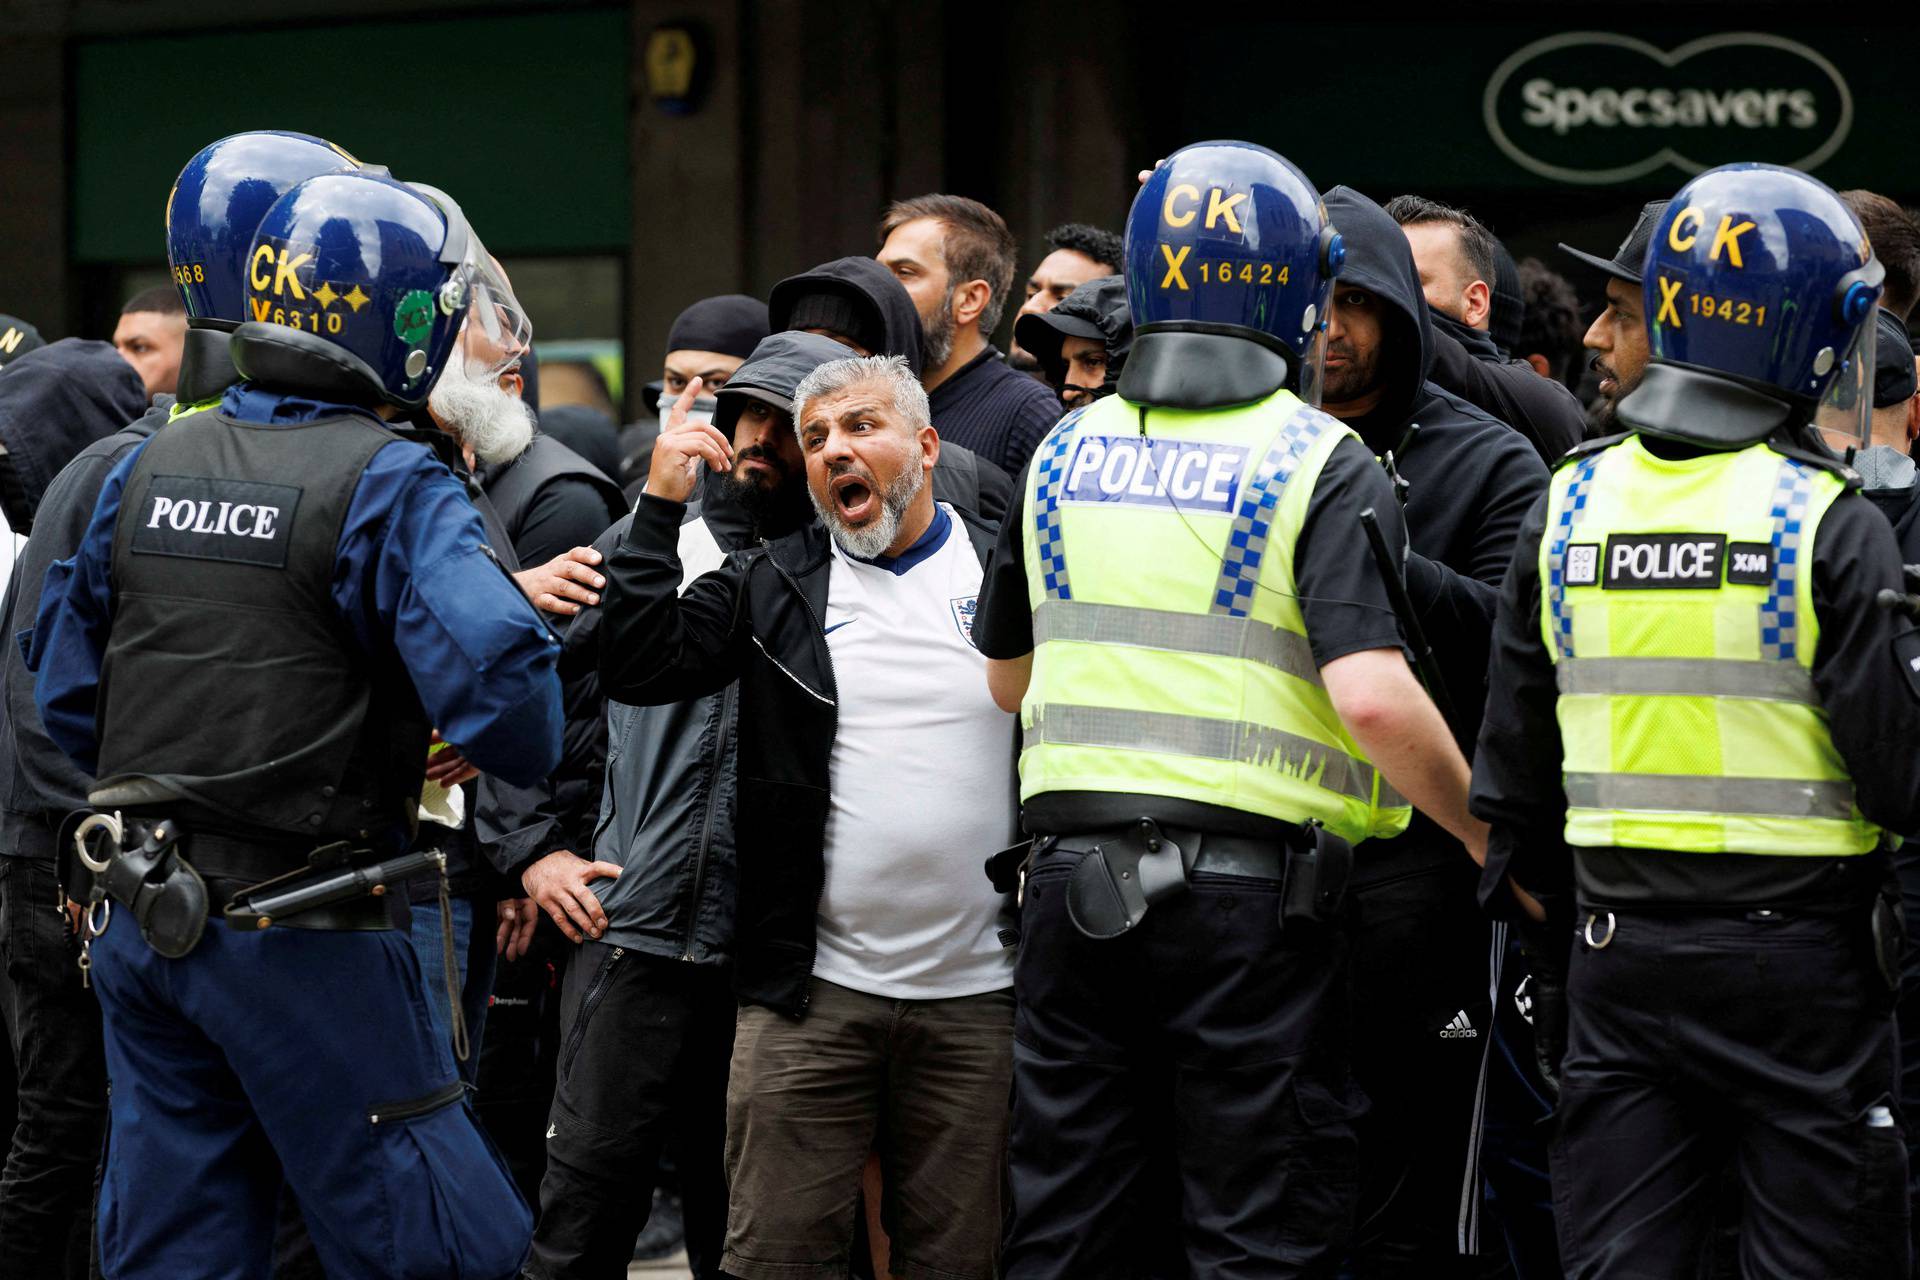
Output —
(1097, 310)
(1627, 262)
(1894, 379)
(731, 324)
(17, 337)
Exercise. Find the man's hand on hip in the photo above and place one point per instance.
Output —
(558, 882)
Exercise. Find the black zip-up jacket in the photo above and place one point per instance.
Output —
(43, 783)
(757, 620)
(1467, 363)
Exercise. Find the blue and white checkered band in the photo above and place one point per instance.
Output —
(1247, 540)
(1571, 509)
(1779, 613)
(1050, 464)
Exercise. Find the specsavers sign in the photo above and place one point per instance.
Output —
(1595, 107)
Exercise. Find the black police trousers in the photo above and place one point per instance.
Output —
(1206, 1036)
(1751, 1052)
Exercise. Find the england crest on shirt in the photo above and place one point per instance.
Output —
(964, 609)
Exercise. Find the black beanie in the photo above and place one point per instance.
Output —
(732, 324)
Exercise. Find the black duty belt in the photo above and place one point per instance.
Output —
(1119, 873)
(1216, 854)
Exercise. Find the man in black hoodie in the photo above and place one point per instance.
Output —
(861, 305)
(1459, 263)
(66, 399)
(1422, 1010)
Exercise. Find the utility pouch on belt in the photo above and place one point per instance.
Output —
(1317, 874)
(1889, 935)
(1114, 883)
(166, 895)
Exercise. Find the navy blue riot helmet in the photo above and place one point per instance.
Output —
(359, 285)
(1230, 263)
(218, 201)
(1760, 289)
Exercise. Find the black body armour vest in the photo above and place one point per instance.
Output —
(230, 685)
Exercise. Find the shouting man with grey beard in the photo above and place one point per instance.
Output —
(874, 777)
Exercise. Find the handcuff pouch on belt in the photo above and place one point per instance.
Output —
(1116, 881)
(1318, 871)
(166, 895)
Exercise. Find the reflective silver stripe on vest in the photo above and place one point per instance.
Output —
(1686, 793)
(1689, 678)
(1061, 725)
(1216, 635)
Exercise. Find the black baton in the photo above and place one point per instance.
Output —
(260, 906)
(1423, 659)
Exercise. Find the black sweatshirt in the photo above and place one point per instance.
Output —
(1470, 482)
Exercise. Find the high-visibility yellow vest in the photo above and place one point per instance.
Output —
(1170, 655)
(182, 409)
(1677, 604)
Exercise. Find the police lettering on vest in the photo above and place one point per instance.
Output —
(208, 519)
(1193, 475)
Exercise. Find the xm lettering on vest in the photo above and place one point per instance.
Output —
(1191, 475)
(208, 519)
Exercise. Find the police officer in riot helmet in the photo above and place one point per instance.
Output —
(274, 606)
(212, 211)
(1216, 705)
(218, 201)
(1698, 731)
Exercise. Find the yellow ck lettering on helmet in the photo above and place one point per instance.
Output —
(1173, 219)
(1681, 243)
(254, 275)
(1669, 313)
(1728, 237)
(1218, 208)
(283, 274)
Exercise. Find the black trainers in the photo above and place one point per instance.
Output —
(665, 1233)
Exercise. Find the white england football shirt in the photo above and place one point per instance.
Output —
(922, 778)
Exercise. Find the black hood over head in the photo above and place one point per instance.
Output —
(1380, 260)
(774, 372)
(55, 401)
(880, 302)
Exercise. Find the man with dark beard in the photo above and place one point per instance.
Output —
(1421, 947)
(1618, 338)
(955, 257)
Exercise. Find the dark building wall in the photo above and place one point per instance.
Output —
(815, 113)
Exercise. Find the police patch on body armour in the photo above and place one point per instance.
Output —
(207, 519)
(1190, 475)
(1639, 561)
